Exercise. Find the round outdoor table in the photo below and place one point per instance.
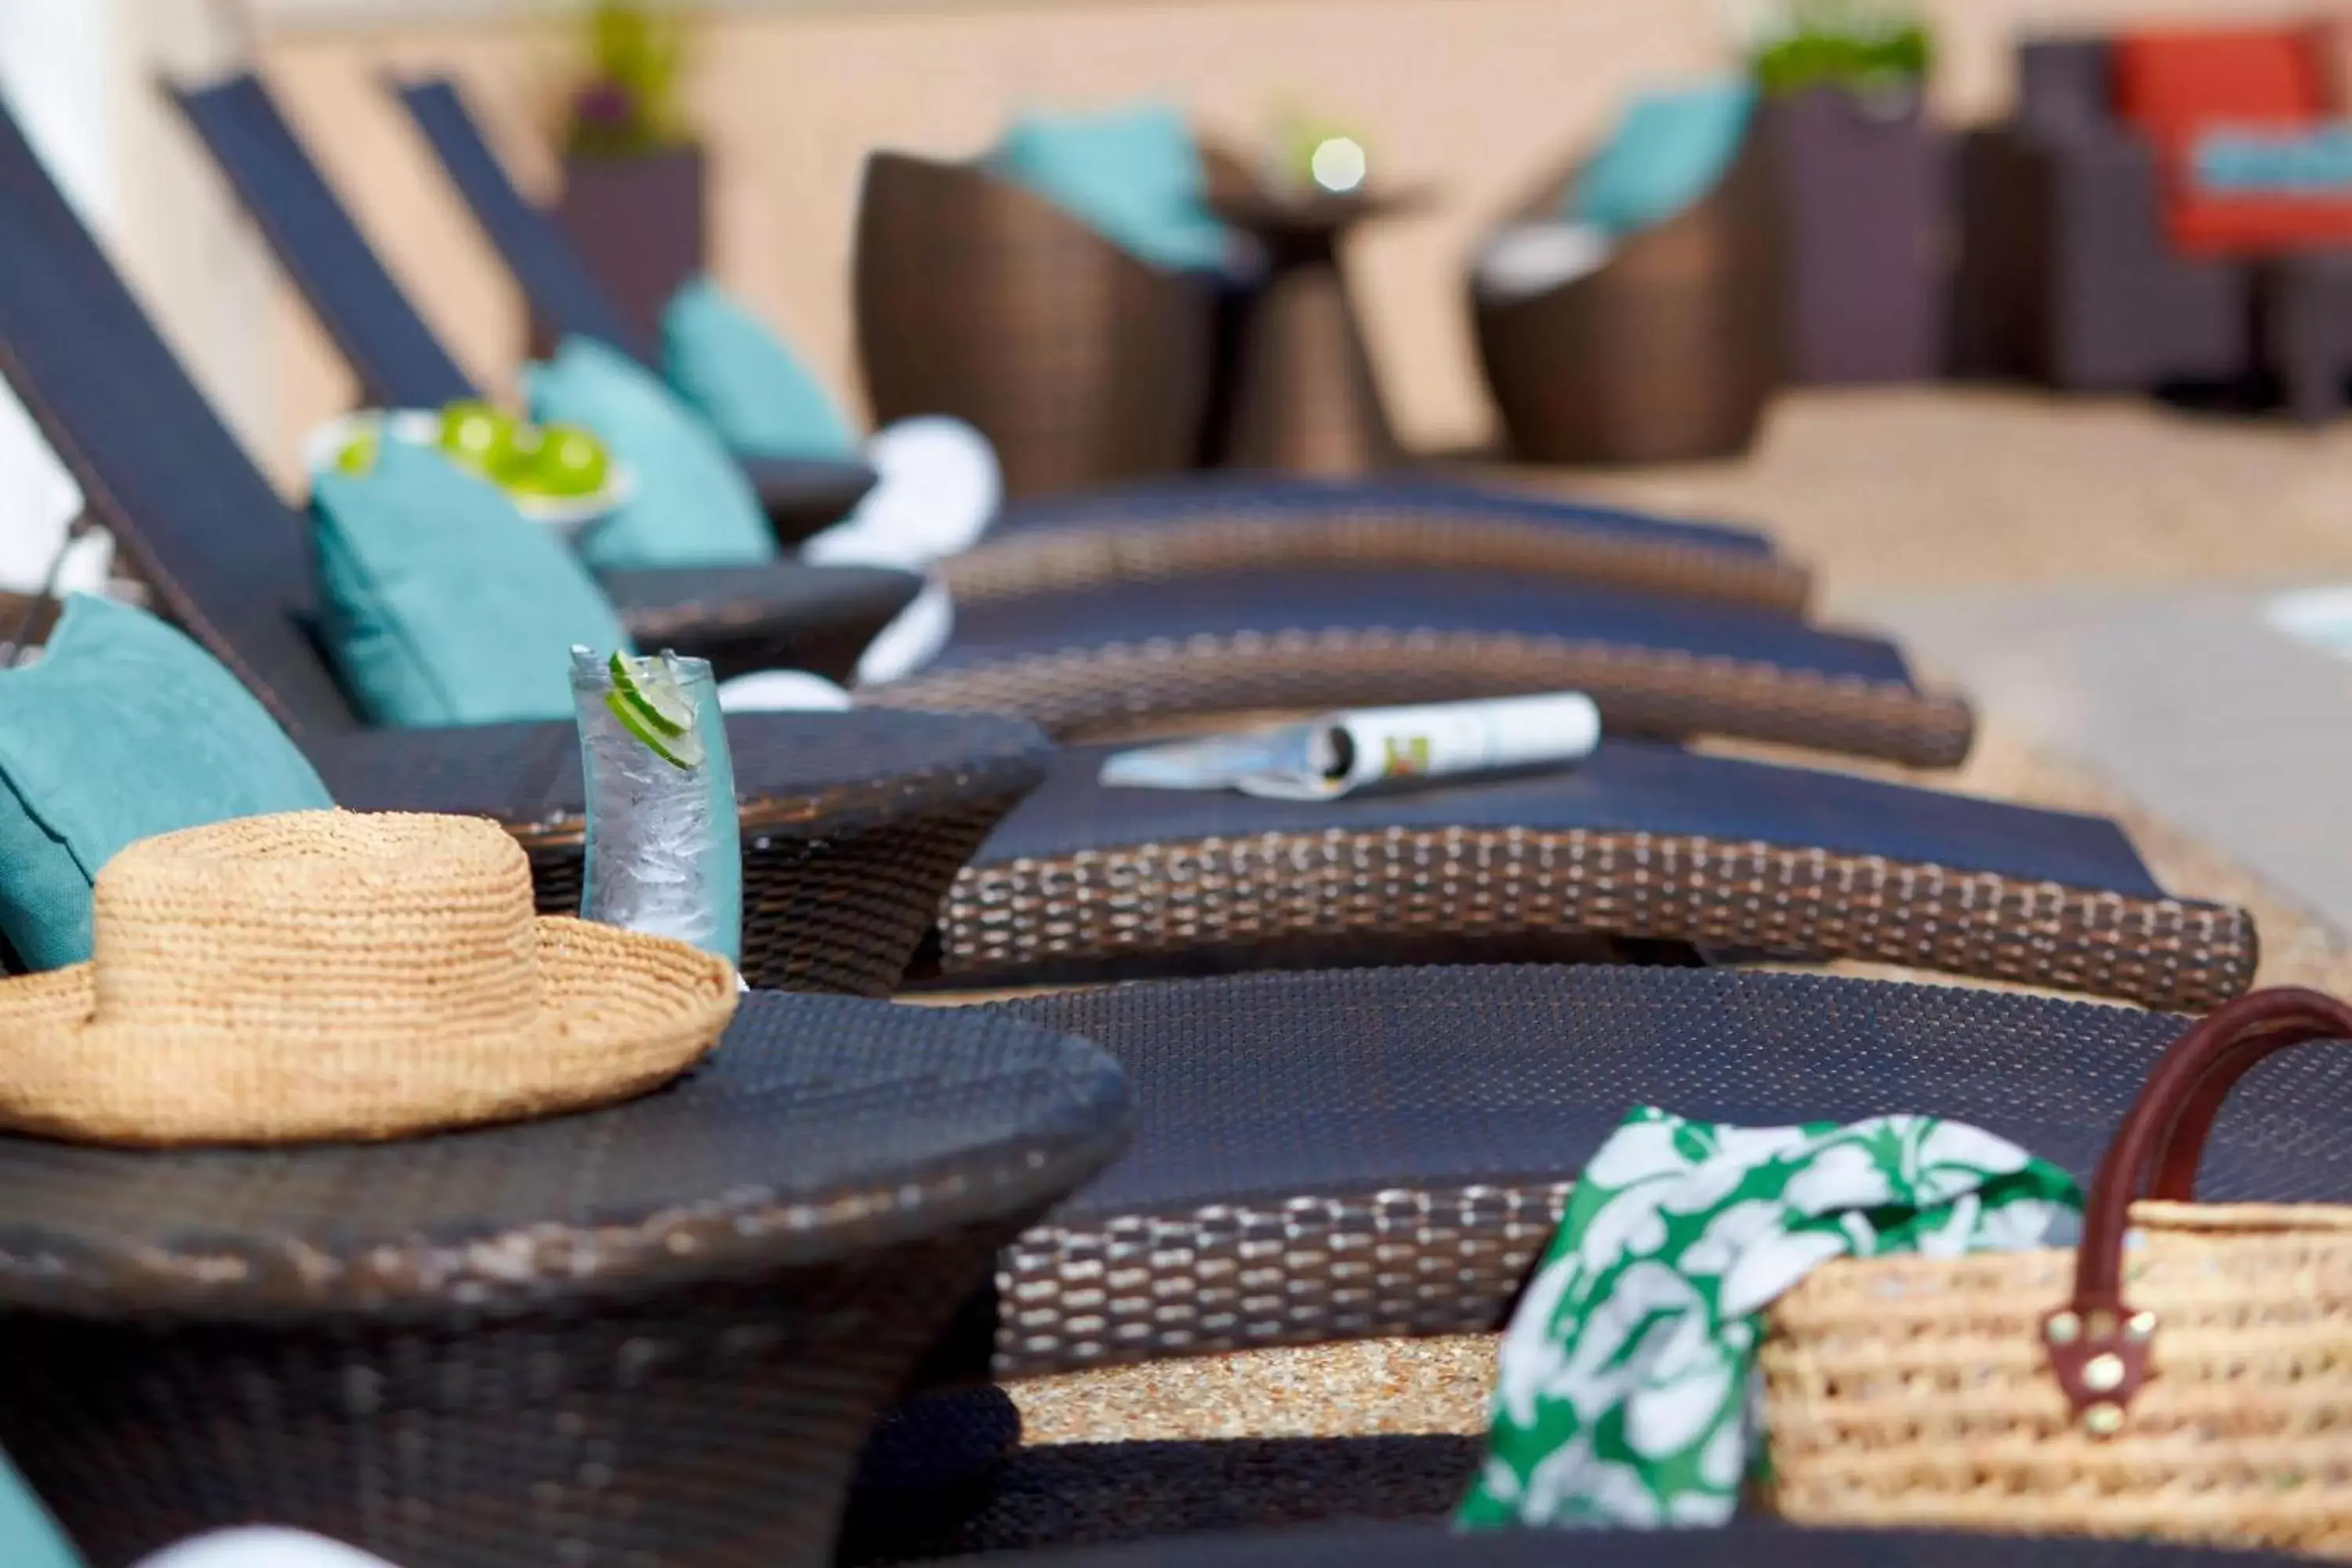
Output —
(1304, 399)
(656, 1332)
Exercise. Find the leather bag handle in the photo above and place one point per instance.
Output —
(2098, 1343)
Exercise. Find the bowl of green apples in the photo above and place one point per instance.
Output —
(560, 476)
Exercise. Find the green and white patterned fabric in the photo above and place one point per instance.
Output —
(1626, 1374)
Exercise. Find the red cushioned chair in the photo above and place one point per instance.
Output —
(2175, 86)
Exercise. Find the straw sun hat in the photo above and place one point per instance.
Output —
(329, 974)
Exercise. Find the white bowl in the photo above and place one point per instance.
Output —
(570, 516)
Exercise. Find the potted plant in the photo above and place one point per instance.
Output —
(633, 173)
(1878, 52)
(1863, 177)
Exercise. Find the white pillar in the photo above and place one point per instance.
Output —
(53, 71)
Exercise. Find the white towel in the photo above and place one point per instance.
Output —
(262, 1546)
(1531, 258)
(938, 488)
(912, 640)
(781, 691)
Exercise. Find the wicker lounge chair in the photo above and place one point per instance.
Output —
(855, 824)
(1149, 533)
(1389, 1149)
(1745, 1545)
(653, 1333)
(1114, 660)
(1384, 1153)
(399, 362)
(1108, 655)
(1640, 844)
(781, 616)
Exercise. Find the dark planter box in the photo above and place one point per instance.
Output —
(639, 224)
(1867, 211)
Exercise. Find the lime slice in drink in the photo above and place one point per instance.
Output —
(678, 751)
(648, 686)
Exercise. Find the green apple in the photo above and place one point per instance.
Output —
(517, 467)
(478, 436)
(358, 454)
(571, 462)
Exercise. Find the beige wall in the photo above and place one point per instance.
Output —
(1474, 96)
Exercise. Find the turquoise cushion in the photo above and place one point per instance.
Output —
(29, 1537)
(2252, 160)
(693, 507)
(742, 378)
(123, 730)
(442, 605)
(1133, 176)
(1667, 152)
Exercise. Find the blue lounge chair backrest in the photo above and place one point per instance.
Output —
(553, 278)
(399, 362)
(227, 557)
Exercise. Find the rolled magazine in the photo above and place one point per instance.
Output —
(1341, 754)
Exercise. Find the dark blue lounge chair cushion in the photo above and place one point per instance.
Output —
(1492, 603)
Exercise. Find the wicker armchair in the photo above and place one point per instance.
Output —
(1668, 351)
(979, 299)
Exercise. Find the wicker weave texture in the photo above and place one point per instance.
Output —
(656, 1332)
(1384, 1151)
(842, 914)
(1153, 901)
(1365, 533)
(1668, 352)
(1310, 1271)
(1106, 690)
(976, 297)
(716, 1427)
(1916, 1392)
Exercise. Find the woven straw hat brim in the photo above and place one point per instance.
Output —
(620, 1012)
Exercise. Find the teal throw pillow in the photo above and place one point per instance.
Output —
(2253, 159)
(1667, 152)
(442, 604)
(123, 729)
(1133, 176)
(29, 1537)
(742, 378)
(692, 506)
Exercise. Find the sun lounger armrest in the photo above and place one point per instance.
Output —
(512, 773)
(749, 618)
(801, 496)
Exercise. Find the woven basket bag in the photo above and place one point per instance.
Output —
(2186, 1373)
